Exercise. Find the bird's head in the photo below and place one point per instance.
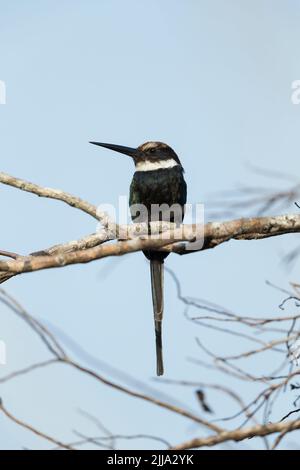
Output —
(148, 156)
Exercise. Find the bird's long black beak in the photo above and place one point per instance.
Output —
(132, 152)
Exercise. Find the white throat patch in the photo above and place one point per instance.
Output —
(158, 165)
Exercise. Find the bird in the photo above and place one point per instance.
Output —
(159, 188)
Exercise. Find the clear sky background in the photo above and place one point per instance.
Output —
(210, 78)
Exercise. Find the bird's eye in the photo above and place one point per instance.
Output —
(152, 150)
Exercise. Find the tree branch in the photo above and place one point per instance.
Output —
(57, 194)
(32, 429)
(239, 435)
(215, 233)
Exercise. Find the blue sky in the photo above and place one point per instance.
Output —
(212, 79)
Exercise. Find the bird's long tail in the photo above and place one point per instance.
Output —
(157, 285)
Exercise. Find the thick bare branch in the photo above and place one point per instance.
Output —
(215, 233)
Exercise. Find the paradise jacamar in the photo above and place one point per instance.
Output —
(158, 181)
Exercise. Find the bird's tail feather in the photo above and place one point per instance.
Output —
(157, 285)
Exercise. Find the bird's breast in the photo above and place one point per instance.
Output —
(162, 186)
